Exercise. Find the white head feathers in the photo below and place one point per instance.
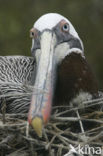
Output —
(50, 20)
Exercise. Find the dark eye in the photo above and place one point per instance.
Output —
(65, 27)
(32, 34)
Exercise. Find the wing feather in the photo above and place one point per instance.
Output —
(16, 74)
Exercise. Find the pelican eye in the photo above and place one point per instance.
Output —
(65, 27)
(32, 34)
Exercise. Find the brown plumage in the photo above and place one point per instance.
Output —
(74, 75)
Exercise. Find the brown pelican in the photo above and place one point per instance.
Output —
(58, 69)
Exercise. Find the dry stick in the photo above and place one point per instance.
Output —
(77, 108)
(96, 137)
(68, 140)
(16, 152)
(94, 130)
(27, 129)
(37, 142)
(97, 143)
(64, 118)
(75, 119)
(61, 138)
(13, 125)
(93, 101)
(47, 140)
(81, 126)
(15, 115)
(85, 102)
(90, 103)
(82, 129)
(58, 114)
(42, 143)
(49, 144)
(59, 152)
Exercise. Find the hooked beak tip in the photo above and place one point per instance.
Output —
(37, 125)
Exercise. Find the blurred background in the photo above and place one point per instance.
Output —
(18, 16)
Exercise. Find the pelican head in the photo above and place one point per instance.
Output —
(53, 38)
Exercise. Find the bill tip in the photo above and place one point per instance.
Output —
(37, 125)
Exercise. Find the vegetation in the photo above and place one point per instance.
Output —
(60, 135)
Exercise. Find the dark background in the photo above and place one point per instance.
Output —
(18, 16)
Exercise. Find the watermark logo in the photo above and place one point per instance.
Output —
(86, 149)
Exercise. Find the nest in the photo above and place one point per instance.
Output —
(67, 128)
